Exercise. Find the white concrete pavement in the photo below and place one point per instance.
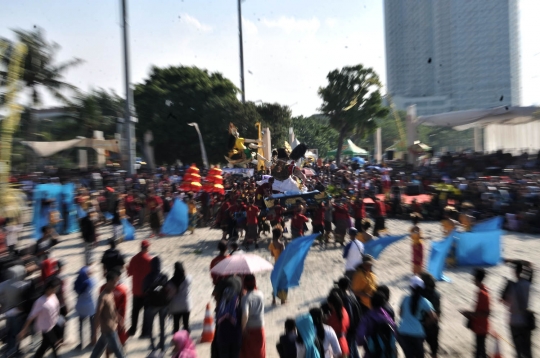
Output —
(322, 268)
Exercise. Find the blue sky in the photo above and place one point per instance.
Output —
(290, 45)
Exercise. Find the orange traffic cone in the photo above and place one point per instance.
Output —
(208, 326)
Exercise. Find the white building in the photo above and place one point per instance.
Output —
(450, 55)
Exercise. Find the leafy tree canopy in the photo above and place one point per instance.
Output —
(352, 101)
(316, 132)
(174, 96)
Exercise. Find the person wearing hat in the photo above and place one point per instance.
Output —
(138, 269)
(353, 253)
(364, 282)
(414, 310)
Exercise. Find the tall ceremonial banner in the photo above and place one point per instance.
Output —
(479, 248)
(375, 247)
(437, 257)
(290, 265)
(488, 225)
(176, 222)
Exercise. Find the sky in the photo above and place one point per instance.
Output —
(289, 45)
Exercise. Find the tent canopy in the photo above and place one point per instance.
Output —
(47, 149)
(462, 120)
(349, 149)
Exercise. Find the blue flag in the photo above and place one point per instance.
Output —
(479, 248)
(488, 225)
(129, 230)
(375, 247)
(290, 265)
(176, 222)
(437, 257)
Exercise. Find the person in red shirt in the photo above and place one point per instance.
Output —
(359, 213)
(278, 214)
(222, 219)
(380, 216)
(342, 221)
(339, 321)
(263, 191)
(252, 214)
(222, 247)
(479, 318)
(297, 223)
(120, 301)
(154, 205)
(138, 268)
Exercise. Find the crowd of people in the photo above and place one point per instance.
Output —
(356, 312)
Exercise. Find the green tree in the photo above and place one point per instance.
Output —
(316, 132)
(174, 96)
(352, 101)
(41, 72)
(279, 119)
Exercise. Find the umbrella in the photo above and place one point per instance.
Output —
(242, 264)
(359, 160)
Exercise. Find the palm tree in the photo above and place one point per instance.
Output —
(41, 72)
(352, 100)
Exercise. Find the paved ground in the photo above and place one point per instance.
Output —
(323, 267)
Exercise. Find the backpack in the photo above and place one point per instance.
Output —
(157, 294)
(382, 343)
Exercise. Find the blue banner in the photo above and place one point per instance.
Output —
(376, 246)
(64, 198)
(129, 230)
(479, 248)
(176, 222)
(488, 225)
(437, 257)
(290, 265)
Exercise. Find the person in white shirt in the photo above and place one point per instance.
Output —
(45, 314)
(353, 253)
(326, 335)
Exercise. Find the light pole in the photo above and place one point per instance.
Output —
(129, 110)
(242, 85)
(203, 150)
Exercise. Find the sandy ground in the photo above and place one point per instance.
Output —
(323, 267)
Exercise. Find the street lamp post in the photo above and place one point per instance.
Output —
(129, 111)
(203, 150)
(242, 85)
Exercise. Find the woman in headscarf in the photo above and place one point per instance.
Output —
(85, 306)
(308, 344)
(180, 295)
(254, 340)
(183, 346)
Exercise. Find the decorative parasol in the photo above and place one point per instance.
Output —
(242, 265)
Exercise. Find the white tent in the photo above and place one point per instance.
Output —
(511, 129)
(46, 149)
(462, 120)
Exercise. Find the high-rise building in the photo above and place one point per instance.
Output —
(451, 55)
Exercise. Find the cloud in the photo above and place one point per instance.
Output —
(291, 24)
(248, 27)
(331, 22)
(193, 22)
